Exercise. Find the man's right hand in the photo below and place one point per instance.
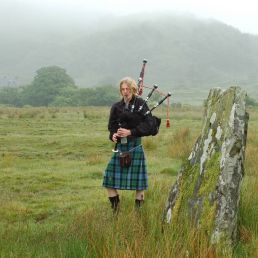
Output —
(114, 137)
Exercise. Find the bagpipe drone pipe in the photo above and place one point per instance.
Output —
(132, 119)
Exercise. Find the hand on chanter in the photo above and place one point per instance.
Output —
(114, 137)
(122, 132)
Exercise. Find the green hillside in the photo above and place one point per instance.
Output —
(187, 56)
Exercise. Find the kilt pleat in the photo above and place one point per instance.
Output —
(132, 178)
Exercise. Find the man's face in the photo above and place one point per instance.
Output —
(126, 92)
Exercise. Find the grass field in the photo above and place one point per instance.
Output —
(52, 203)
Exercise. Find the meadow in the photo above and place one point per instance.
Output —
(52, 203)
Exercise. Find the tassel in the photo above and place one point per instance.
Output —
(168, 123)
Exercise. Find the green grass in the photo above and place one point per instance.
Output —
(52, 203)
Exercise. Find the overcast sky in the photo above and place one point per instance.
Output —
(240, 14)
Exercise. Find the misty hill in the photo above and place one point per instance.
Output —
(186, 55)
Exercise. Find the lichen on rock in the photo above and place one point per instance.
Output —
(208, 184)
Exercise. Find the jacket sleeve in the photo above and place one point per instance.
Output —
(112, 123)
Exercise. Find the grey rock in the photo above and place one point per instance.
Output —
(207, 189)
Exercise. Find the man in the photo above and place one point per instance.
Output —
(127, 168)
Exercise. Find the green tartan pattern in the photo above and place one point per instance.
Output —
(132, 178)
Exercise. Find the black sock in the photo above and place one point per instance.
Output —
(138, 203)
(114, 202)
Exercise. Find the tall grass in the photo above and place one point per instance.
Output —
(140, 233)
(180, 144)
(51, 199)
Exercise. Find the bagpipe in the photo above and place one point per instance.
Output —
(133, 118)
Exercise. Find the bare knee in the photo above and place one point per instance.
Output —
(111, 192)
(139, 195)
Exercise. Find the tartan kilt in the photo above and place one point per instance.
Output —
(132, 178)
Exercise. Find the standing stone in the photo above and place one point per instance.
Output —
(207, 189)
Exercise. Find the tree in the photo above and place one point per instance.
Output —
(48, 83)
(67, 97)
(251, 102)
(11, 96)
(100, 96)
(103, 96)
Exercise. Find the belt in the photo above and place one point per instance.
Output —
(131, 150)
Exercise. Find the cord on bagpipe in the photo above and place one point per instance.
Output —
(129, 120)
(141, 86)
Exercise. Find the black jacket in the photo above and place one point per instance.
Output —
(143, 128)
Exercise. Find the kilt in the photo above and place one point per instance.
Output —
(133, 177)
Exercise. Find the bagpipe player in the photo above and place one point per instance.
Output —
(127, 169)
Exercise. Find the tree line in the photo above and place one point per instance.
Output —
(52, 86)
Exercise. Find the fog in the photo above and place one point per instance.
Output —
(65, 33)
(52, 14)
(15, 15)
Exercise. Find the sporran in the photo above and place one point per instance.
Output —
(125, 159)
